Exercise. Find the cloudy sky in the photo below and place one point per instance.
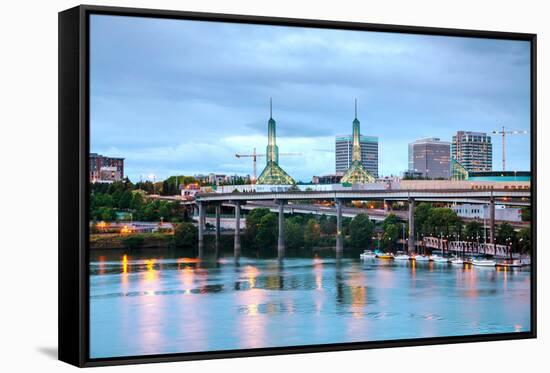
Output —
(182, 97)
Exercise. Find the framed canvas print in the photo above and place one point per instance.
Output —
(240, 185)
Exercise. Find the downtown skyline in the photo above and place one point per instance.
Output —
(171, 104)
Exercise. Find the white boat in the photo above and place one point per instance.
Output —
(484, 262)
(367, 254)
(439, 259)
(402, 257)
(457, 261)
(516, 263)
(422, 258)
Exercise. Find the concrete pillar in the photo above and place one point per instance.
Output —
(411, 247)
(237, 244)
(218, 210)
(492, 221)
(339, 233)
(202, 210)
(281, 239)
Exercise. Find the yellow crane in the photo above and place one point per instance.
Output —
(503, 132)
(255, 157)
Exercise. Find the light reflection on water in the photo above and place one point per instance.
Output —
(152, 304)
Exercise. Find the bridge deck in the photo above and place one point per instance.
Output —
(521, 196)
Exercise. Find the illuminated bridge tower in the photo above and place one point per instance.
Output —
(273, 174)
(356, 173)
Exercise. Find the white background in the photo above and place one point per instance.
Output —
(28, 183)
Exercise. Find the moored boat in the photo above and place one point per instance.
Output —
(439, 259)
(422, 258)
(516, 263)
(484, 262)
(385, 256)
(367, 254)
(457, 261)
(402, 257)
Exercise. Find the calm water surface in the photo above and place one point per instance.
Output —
(161, 302)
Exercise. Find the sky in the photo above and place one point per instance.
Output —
(178, 97)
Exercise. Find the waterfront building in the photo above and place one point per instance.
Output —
(477, 211)
(356, 173)
(369, 153)
(473, 150)
(105, 169)
(273, 174)
(431, 158)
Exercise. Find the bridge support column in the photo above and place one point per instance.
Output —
(281, 238)
(202, 211)
(339, 233)
(492, 221)
(411, 247)
(237, 242)
(218, 210)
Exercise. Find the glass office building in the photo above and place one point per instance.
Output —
(431, 158)
(369, 153)
(473, 150)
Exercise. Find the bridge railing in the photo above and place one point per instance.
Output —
(466, 247)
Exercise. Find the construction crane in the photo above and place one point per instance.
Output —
(255, 157)
(503, 132)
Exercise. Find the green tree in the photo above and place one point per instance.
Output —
(185, 235)
(253, 219)
(137, 201)
(116, 195)
(390, 236)
(149, 213)
(443, 220)
(524, 240)
(294, 233)
(267, 231)
(361, 229)
(422, 214)
(526, 214)
(391, 219)
(312, 233)
(473, 230)
(328, 224)
(105, 214)
(98, 200)
(125, 199)
(165, 211)
(505, 234)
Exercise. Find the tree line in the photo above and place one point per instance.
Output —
(110, 202)
(443, 221)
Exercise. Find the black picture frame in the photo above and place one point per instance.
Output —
(73, 183)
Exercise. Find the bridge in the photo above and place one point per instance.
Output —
(467, 247)
(491, 197)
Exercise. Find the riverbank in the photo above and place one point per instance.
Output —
(108, 241)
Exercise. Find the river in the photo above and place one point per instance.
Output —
(158, 302)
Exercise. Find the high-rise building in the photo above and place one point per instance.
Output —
(105, 169)
(369, 153)
(431, 158)
(473, 150)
